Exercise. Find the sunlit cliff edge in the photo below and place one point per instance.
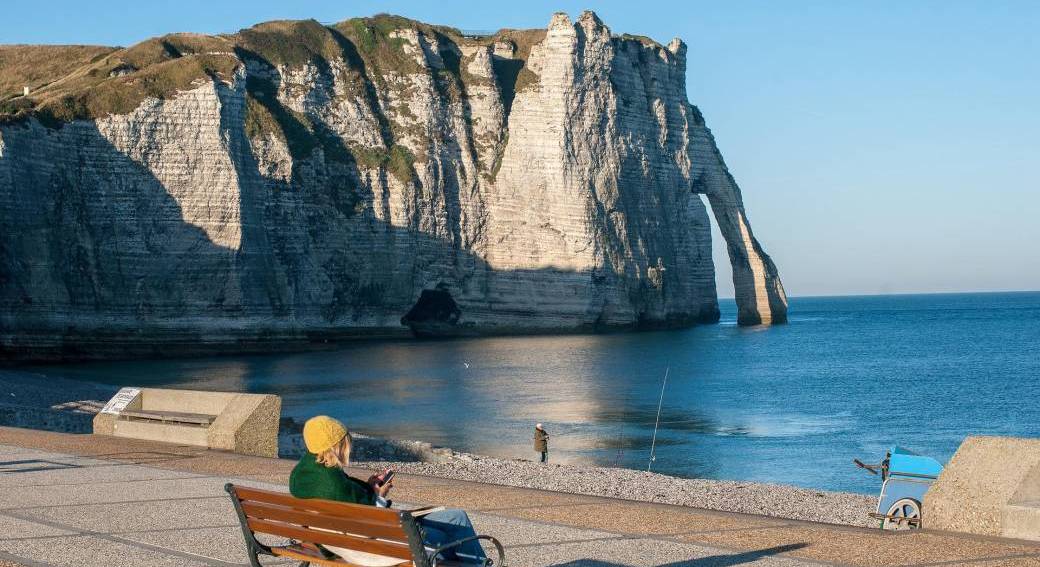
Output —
(297, 183)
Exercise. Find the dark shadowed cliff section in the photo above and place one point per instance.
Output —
(297, 184)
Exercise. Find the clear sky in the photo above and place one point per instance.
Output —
(882, 147)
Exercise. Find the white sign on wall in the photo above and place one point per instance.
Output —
(119, 401)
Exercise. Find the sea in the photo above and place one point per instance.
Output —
(847, 377)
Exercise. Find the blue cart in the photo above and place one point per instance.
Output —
(905, 477)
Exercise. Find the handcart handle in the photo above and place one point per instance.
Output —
(871, 468)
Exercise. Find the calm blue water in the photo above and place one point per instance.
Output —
(794, 404)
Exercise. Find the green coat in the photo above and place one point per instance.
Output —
(311, 479)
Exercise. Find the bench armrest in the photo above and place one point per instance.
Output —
(498, 547)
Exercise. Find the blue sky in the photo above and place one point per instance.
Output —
(882, 147)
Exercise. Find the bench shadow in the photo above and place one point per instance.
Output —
(33, 465)
(723, 560)
(145, 457)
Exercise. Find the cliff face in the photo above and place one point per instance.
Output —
(299, 182)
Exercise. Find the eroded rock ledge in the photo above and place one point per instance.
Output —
(298, 183)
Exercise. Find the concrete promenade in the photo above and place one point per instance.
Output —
(81, 500)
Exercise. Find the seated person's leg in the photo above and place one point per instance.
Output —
(435, 537)
(454, 525)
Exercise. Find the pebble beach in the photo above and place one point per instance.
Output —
(773, 500)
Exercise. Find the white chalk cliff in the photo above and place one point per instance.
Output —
(407, 178)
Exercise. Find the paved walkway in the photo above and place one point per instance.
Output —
(83, 500)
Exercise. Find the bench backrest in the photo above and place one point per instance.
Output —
(370, 529)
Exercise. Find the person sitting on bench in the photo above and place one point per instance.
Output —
(320, 474)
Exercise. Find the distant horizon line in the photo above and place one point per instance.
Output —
(904, 293)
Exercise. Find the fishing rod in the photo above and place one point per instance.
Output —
(621, 433)
(660, 401)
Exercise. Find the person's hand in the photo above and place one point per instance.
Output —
(381, 488)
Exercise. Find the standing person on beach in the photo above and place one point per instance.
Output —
(541, 442)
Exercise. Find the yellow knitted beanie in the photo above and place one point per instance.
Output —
(321, 433)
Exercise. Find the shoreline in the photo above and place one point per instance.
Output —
(746, 497)
(59, 404)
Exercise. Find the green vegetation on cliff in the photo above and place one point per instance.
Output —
(123, 94)
(369, 58)
(288, 43)
(35, 66)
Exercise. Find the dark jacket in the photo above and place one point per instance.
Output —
(311, 479)
(541, 440)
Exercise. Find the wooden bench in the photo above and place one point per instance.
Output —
(310, 523)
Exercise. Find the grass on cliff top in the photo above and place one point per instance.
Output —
(116, 81)
(374, 42)
(87, 82)
(289, 42)
(72, 82)
(35, 66)
(641, 39)
(162, 49)
(63, 78)
(92, 82)
(121, 95)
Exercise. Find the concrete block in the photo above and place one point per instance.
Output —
(193, 401)
(162, 432)
(987, 484)
(1022, 521)
(242, 423)
(105, 422)
(248, 424)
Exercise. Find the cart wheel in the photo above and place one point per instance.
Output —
(901, 513)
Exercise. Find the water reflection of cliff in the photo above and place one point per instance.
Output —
(597, 394)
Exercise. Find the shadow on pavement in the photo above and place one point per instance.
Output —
(710, 561)
(146, 457)
(33, 465)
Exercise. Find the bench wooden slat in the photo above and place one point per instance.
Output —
(306, 555)
(293, 552)
(306, 518)
(378, 547)
(327, 507)
(170, 416)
